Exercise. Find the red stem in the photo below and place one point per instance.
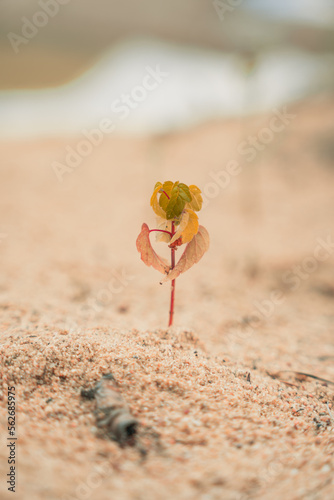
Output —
(162, 231)
(172, 292)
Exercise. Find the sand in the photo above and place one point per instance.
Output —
(222, 413)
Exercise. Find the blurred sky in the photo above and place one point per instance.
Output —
(302, 11)
(221, 62)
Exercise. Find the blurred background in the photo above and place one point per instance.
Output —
(74, 59)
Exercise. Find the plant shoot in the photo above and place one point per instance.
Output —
(174, 204)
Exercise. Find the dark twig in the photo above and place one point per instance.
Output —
(307, 375)
(301, 374)
(113, 414)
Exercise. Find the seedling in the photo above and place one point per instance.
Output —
(175, 205)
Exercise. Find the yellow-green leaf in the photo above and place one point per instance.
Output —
(154, 201)
(187, 228)
(196, 198)
(163, 200)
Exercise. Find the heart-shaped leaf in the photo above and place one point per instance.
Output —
(192, 254)
(148, 255)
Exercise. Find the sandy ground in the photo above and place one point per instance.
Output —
(76, 302)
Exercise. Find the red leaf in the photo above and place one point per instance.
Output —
(148, 255)
(192, 254)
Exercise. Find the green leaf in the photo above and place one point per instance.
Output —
(184, 192)
(175, 206)
(180, 195)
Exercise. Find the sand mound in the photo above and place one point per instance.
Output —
(220, 428)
